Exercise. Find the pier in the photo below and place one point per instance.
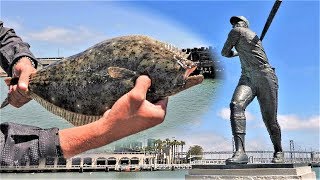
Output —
(137, 161)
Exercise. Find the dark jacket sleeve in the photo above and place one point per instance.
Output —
(12, 48)
(20, 144)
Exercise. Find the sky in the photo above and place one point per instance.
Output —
(64, 28)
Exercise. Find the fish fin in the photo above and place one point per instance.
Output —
(4, 103)
(118, 72)
(175, 49)
(74, 118)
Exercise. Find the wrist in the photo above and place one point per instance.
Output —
(22, 62)
(26, 60)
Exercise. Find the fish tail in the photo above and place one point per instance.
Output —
(4, 103)
(9, 81)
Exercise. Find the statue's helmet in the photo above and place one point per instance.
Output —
(235, 19)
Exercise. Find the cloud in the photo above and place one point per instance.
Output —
(14, 24)
(211, 141)
(208, 141)
(63, 35)
(293, 122)
(224, 113)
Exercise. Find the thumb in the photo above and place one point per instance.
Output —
(24, 80)
(143, 83)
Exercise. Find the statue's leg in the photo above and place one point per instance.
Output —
(268, 99)
(242, 96)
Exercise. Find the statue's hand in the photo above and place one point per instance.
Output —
(235, 53)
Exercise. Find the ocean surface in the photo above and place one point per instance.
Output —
(183, 110)
(178, 174)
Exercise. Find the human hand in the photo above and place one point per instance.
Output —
(132, 113)
(18, 94)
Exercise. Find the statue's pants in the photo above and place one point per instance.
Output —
(263, 84)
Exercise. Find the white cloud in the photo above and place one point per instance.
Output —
(293, 122)
(211, 141)
(224, 113)
(68, 39)
(208, 141)
(64, 35)
(287, 122)
(14, 24)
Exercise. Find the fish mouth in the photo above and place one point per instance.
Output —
(192, 80)
(189, 81)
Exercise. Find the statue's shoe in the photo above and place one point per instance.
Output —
(278, 157)
(239, 157)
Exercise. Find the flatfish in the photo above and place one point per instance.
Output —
(82, 87)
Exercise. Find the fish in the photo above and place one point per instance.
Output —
(80, 88)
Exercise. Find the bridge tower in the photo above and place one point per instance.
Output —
(291, 150)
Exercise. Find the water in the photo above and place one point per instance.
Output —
(101, 175)
(179, 174)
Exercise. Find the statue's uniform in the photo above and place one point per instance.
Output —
(258, 79)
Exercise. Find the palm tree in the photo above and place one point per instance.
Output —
(158, 144)
(182, 143)
(168, 144)
(177, 150)
(159, 147)
(175, 145)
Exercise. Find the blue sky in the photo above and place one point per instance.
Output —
(292, 46)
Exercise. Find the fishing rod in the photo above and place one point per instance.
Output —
(273, 12)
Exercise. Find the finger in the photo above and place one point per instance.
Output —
(143, 83)
(24, 80)
(139, 91)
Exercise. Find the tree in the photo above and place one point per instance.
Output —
(195, 150)
(182, 143)
(159, 149)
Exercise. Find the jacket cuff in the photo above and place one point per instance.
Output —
(17, 57)
(49, 144)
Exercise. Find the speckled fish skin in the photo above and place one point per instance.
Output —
(90, 82)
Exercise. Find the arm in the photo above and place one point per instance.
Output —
(12, 49)
(17, 60)
(232, 40)
(132, 113)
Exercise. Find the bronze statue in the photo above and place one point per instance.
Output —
(258, 79)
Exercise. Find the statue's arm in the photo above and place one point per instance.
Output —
(232, 40)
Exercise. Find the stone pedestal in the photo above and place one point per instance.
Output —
(252, 172)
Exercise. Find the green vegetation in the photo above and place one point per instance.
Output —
(195, 153)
